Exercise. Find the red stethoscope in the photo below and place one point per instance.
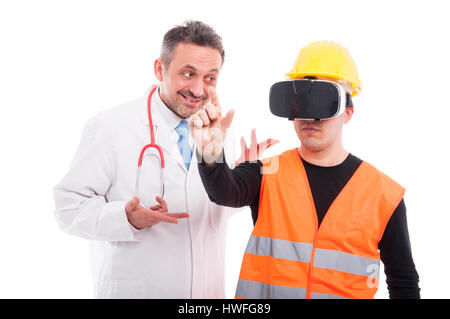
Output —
(151, 145)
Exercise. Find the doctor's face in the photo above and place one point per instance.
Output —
(186, 80)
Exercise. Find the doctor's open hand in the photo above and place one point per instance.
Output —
(140, 217)
(209, 127)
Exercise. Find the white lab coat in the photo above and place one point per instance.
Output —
(184, 260)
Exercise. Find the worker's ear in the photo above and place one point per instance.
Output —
(348, 114)
(158, 66)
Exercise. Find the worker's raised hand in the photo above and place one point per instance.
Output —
(256, 149)
(209, 127)
(141, 217)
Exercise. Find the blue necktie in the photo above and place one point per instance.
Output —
(183, 142)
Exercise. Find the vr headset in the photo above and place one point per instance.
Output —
(308, 99)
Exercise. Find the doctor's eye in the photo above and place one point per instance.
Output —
(187, 74)
(210, 78)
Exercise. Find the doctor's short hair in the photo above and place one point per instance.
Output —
(194, 32)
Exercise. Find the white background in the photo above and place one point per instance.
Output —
(61, 62)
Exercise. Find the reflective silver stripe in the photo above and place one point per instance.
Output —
(353, 264)
(279, 248)
(317, 295)
(249, 289)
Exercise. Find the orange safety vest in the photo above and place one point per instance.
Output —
(289, 256)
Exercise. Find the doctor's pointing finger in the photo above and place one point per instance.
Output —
(209, 128)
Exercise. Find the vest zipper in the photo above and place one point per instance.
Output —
(316, 235)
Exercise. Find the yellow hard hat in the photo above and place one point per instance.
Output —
(327, 58)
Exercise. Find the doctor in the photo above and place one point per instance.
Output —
(154, 232)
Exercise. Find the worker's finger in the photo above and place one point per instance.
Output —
(253, 139)
(253, 154)
(226, 121)
(162, 202)
(204, 117)
(213, 111)
(243, 145)
(263, 146)
(244, 149)
(241, 158)
(132, 204)
(213, 96)
(272, 141)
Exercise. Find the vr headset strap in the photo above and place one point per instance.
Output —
(348, 99)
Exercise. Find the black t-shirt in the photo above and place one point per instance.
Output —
(241, 187)
(327, 182)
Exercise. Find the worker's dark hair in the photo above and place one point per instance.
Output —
(194, 32)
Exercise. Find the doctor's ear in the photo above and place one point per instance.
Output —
(158, 66)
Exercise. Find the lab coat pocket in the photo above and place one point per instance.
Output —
(217, 215)
(121, 289)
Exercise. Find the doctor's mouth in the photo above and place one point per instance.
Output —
(191, 100)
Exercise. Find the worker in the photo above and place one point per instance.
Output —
(323, 217)
(133, 188)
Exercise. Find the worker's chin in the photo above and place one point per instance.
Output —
(312, 144)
